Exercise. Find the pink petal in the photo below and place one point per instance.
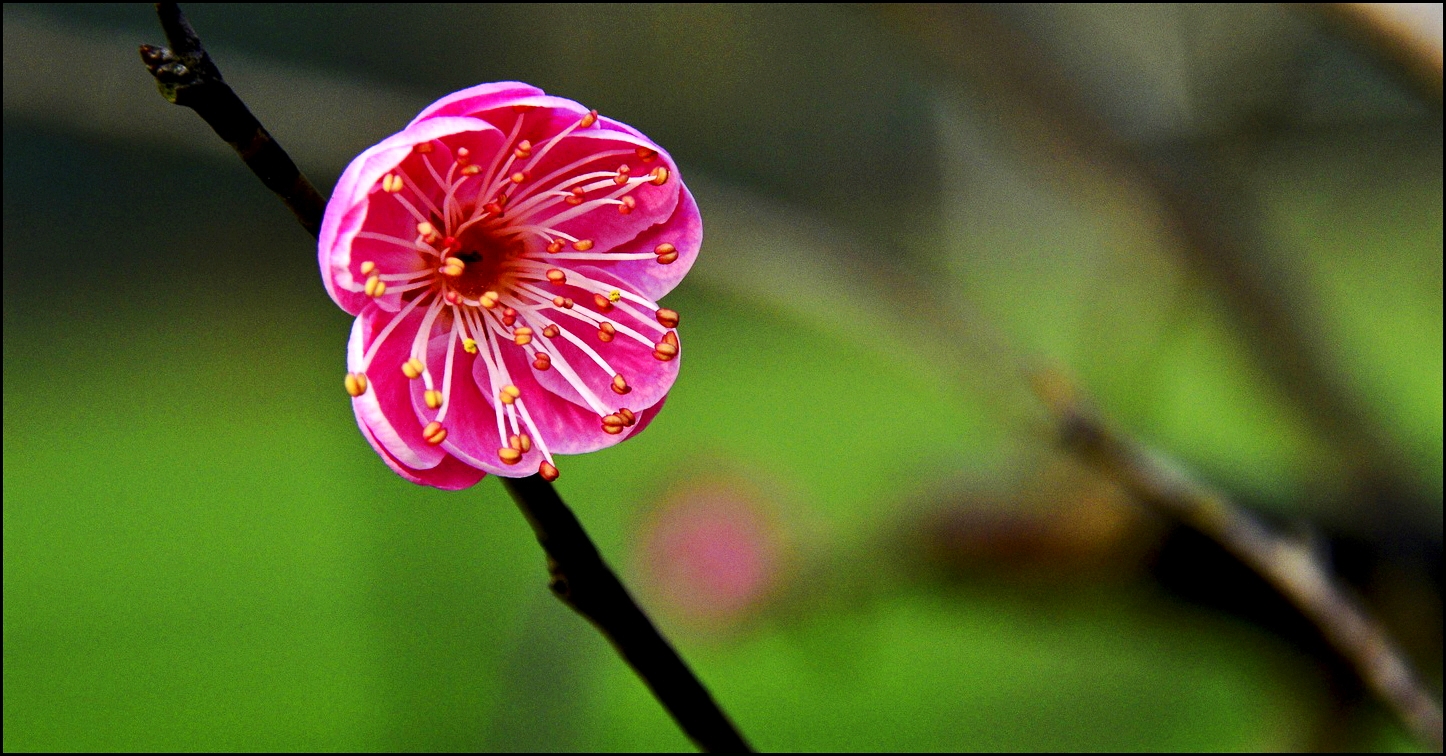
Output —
(475, 99)
(386, 406)
(451, 474)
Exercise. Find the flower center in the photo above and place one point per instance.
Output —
(484, 255)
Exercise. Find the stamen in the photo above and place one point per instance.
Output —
(509, 455)
(550, 331)
(375, 287)
(392, 183)
(522, 336)
(628, 203)
(613, 424)
(434, 433)
(453, 266)
(664, 352)
(646, 154)
(628, 417)
(509, 394)
(582, 245)
(554, 276)
(547, 471)
(659, 176)
(622, 177)
(668, 318)
(620, 386)
(368, 267)
(356, 384)
(666, 253)
(433, 398)
(606, 332)
(413, 368)
(541, 361)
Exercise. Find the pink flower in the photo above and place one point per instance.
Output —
(503, 256)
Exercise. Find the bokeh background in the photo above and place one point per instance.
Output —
(1223, 224)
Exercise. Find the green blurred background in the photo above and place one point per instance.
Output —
(1224, 223)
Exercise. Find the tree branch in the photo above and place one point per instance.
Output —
(583, 581)
(1290, 566)
(186, 75)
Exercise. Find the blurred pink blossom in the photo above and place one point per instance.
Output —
(503, 256)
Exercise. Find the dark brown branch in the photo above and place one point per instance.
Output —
(583, 581)
(1290, 566)
(187, 76)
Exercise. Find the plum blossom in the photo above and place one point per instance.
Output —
(504, 255)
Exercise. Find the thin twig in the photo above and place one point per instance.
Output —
(584, 582)
(1291, 566)
(186, 75)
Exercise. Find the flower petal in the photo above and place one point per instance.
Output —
(386, 406)
(351, 204)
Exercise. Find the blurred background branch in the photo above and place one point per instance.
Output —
(1293, 566)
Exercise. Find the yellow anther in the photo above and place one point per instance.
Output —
(424, 148)
(356, 384)
(462, 154)
(469, 345)
(509, 394)
(427, 231)
(613, 424)
(664, 352)
(392, 183)
(547, 471)
(368, 268)
(375, 286)
(628, 203)
(489, 299)
(519, 177)
(522, 336)
(557, 277)
(666, 253)
(524, 150)
(667, 318)
(563, 302)
(628, 417)
(660, 176)
(589, 119)
(620, 386)
(433, 398)
(434, 433)
(453, 266)
(622, 177)
(603, 303)
(606, 332)
(509, 455)
(551, 331)
(521, 442)
(614, 295)
(646, 154)
(582, 245)
(413, 368)
(471, 170)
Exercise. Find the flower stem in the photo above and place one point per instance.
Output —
(583, 581)
(186, 75)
